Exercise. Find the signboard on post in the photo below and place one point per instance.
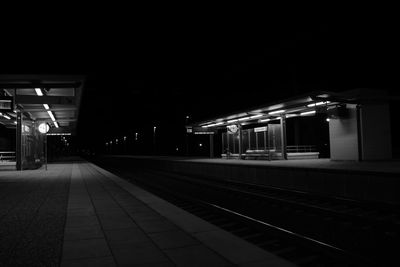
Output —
(6, 103)
(261, 129)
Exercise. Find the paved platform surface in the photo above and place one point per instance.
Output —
(77, 214)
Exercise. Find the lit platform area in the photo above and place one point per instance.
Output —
(77, 214)
(375, 181)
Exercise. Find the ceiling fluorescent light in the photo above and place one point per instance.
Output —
(255, 116)
(51, 115)
(39, 91)
(264, 120)
(244, 118)
(46, 106)
(232, 120)
(7, 117)
(56, 124)
(317, 104)
(307, 113)
(276, 112)
(219, 123)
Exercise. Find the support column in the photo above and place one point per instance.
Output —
(283, 137)
(211, 145)
(18, 147)
(240, 141)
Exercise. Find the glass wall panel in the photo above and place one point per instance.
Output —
(32, 145)
(245, 141)
(252, 134)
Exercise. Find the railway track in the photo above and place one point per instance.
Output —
(305, 229)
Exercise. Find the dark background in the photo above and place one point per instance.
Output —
(155, 71)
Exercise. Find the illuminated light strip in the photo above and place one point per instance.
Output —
(61, 134)
(39, 91)
(256, 116)
(264, 120)
(307, 113)
(232, 120)
(318, 104)
(244, 118)
(219, 123)
(51, 115)
(7, 117)
(291, 115)
(276, 112)
(56, 124)
(46, 106)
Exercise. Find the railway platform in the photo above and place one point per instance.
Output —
(78, 214)
(362, 181)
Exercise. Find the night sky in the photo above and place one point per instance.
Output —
(145, 73)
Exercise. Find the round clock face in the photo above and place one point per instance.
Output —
(44, 128)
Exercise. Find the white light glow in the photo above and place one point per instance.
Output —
(39, 91)
(265, 120)
(46, 106)
(244, 118)
(327, 119)
(218, 123)
(15, 122)
(51, 115)
(230, 121)
(56, 124)
(291, 115)
(307, 113)
(7, 117)
(255, 116)
(317, 104)
(277, 112)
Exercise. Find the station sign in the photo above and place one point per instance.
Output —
(6, 103)
(261, 129)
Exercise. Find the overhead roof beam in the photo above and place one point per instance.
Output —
(31, 99)
(51, 109)
(38, 85)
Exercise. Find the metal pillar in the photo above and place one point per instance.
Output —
(240, 141)
(211, 145)
(283, 137)
(18, 147)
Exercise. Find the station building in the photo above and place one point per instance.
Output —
(350, 125)
(33, 107)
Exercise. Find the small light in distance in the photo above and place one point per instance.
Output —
(200, 145)
(327, 119)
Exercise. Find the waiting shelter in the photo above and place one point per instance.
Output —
(353, 125)
(37, 106)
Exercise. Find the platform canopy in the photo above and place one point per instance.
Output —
(303, 105)
(54, 99)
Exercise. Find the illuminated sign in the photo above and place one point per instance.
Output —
(261, 129)
(6, 103)
(232, 128)
(189, 129)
